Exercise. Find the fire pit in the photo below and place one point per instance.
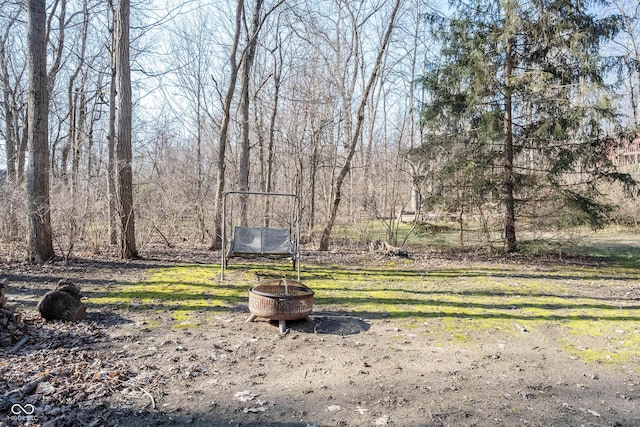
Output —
(280, 300)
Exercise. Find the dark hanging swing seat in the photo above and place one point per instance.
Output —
(254, 242)
(261, 241)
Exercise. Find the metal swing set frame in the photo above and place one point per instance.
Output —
(257, 241)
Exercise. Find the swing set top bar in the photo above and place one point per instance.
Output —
(294, 240)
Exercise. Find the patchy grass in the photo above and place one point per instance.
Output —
(183, 291)
(590, 306)
(617, 248)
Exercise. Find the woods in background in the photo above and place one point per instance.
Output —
(503, 114)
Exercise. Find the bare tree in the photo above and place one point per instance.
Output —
(257, 21)
(266, 176)
(190, 95)
(123, 153)
(78, 106)
(112, 195)
(9, 97)
(40, 236)
(13, 104)
(628, 47)
(356, 133)
(247, 64)
(224, 127)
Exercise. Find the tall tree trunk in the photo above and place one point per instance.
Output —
(355, 137)
(313, 172)
(200, 175)
(10, 140)
(40, 237)
(10, 106)
(22, 150)
(277, 73)
(124, 173)
(416, 202)
(224, 130)
(80, 137)
(77, 107)
(247, 65)
(111, 141)
(508, 185)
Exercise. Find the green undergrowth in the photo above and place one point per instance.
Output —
(593, 310)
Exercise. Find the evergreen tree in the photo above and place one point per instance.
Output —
(520, 86)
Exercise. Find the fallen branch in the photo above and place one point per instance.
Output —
(19, 344)
(153, 401)
(30, 387)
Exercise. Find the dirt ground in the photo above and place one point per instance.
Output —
(129, 367)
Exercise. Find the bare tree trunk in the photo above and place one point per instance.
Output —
(64, 157)
(77, 107)
(224, 129)
(416, 202)
(80, 137)
(355, 137)
(22, 151)
(10, 138)
(200, 177)
(13, 115)
(8, 100)
(59, 48)
(508, 185)
(40, 237)
(277, 73)
(124, 173)
(315, 155)
(247, 64)
(10, 148)
(111, 142)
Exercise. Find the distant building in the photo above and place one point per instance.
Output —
(627, 153)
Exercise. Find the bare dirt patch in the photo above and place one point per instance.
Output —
(132, 366)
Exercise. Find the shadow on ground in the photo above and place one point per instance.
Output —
(326, 323)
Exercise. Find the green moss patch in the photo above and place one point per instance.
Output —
(187, 293)
(598, 322)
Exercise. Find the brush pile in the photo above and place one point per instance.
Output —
(11, 326)
(385, 248)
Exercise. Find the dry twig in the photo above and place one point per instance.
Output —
(153, 401)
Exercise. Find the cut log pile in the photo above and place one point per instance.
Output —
(10, 320)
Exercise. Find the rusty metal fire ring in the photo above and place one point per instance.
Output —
(281, 300)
